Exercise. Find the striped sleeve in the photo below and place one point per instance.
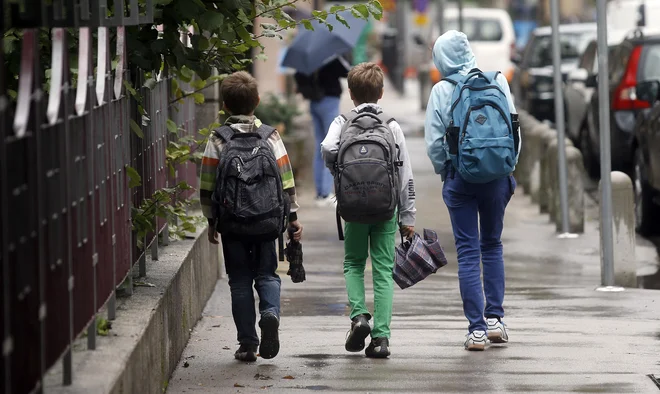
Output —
(286, 171)
(210, 161)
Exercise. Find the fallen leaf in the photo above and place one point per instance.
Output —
(265, 387)
(226, 348)
(185, 364)
(259, 376)
(288, 377)
(190, 357)
(238, 385)
(216, 326)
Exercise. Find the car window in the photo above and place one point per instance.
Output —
(651, 66)
(617, 60)
(588, 57)
(571, 46)
(478, 29)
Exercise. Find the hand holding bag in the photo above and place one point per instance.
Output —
(418, 258)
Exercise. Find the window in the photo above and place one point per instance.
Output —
(651, 66)
(617, 60)
(571, 46)
(588, 58)
(478, 29)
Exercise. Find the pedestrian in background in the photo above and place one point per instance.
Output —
(323, 89)
(473, 142)
(366, 132)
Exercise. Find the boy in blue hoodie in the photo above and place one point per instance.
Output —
(470, 205)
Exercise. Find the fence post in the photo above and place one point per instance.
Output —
(623, 229)
(547, 136)
(575, 170)
(549, 188)
(554, 202)
(533, 144)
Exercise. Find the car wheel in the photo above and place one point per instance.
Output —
(591, 165)
(647, 212)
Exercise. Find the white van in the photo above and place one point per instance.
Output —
(625, 14)
(492, 38)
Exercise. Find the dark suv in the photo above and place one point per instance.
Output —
(633, 60)
(533, 82)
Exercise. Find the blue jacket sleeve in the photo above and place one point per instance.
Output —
(434, 133)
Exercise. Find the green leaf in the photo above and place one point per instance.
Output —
(171, 126)
(375, 8)
(321, 15)
(134, 179)
(342, 20)
(150, 83)
(198, 84)
(268, 26)
(337, 8)
(362, 9)
(307, 24)
(199, 42)
(199, 98)
(136, 129)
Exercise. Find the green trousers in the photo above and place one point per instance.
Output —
(360, 240)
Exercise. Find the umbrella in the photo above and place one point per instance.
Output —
(311, 49)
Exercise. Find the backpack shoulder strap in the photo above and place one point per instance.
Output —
(453, 79)
(264, 131)
(492, 75)
(225, 133)
(385, 118)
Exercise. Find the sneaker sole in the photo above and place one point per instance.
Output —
(476, 347)
(355, 341)
(497, 337)
(270, 342)
(248, 358)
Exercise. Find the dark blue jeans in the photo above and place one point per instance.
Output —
(324, 113)
(477, 219)
(249, 263)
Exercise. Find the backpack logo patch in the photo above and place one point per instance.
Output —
(481, 119)
(363, 150)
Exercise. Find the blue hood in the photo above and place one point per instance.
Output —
(452, 53)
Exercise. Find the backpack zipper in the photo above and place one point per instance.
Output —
(467, 116)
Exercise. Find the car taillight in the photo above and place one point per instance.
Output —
(625, 95)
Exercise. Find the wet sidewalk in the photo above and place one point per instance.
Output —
(565, 337)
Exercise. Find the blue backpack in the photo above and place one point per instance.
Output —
(483, 134)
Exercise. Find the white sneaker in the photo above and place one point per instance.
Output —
(330, 201)
(497, 331)
(476, 340)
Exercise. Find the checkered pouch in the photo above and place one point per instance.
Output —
(418, 258)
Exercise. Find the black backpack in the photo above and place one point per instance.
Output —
(249, 200)
(367, 170)
(309, 86)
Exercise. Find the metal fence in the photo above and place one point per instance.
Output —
(65, 206)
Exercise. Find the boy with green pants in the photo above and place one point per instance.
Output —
(365, 83)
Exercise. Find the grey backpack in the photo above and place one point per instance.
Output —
(249, 200)
(366, 170)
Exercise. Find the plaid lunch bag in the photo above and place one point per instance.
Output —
(418, 258)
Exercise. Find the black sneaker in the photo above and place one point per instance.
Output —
(360, 330)
(246, 353)
(270, 339)
(378, 348)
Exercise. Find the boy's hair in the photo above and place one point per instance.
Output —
(366, 82)
(240, 93)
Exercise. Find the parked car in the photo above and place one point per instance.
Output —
(634, 60)
(491, 35)
(579, 88)
(533, 81)
(646, 153)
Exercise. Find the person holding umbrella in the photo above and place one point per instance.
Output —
(318, 57)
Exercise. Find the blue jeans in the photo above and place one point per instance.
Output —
(249, 263)
(323, 112)
(472, 206)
